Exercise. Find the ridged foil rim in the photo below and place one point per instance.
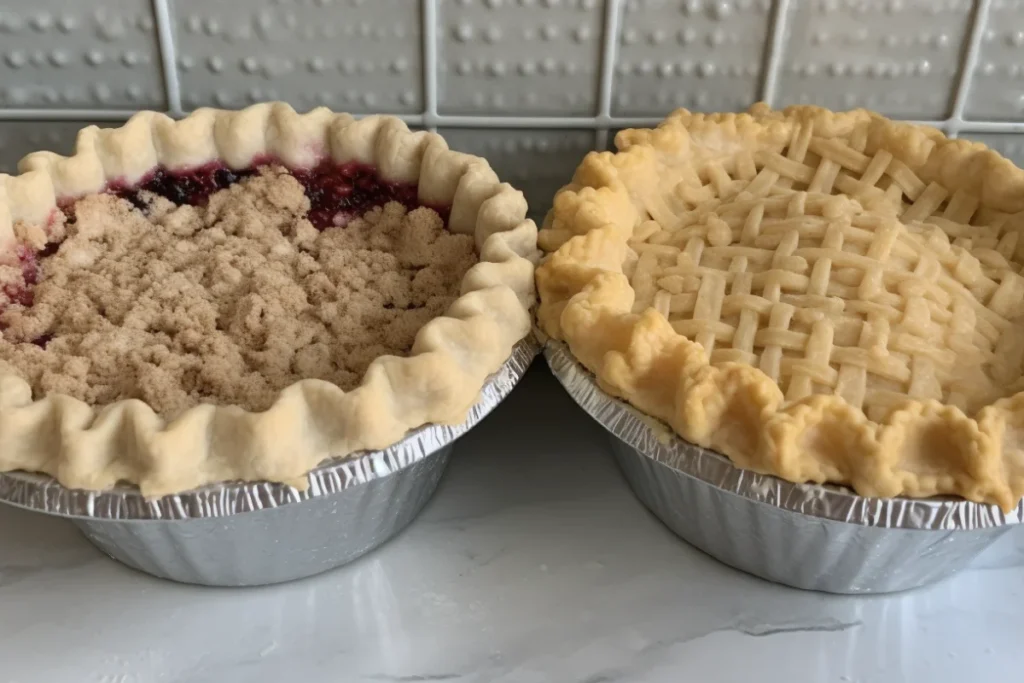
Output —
(833, 503)
(43, 494)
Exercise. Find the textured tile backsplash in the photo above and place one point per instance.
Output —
(86, 54)
(501, 58)
(898, 57)
(530, 84)
(537, 162)
(997, 84)
(698, 55)
(359, 57)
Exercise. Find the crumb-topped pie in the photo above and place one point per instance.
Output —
(828, 297)
(241, 295)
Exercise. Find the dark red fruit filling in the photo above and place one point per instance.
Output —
(22, 294)
(29, 262)
(337, 192)
(191, 187)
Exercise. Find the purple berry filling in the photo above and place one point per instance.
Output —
(337, 192)
(190, 187)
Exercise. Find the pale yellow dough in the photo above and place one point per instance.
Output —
(95, 447)
(829, 297)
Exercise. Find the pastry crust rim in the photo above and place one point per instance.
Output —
(585, 301)
(312, 421)
(656, 441)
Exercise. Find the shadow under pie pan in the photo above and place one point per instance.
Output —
(258, 533)
(807, 536)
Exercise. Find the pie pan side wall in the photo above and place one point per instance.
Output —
(808, 536)
(276, 544)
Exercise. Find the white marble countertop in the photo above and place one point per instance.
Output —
(533, 563)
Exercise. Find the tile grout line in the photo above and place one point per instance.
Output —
(122, 115)
(430, 66)
(165, 38)
(600, 124)
(967, 67)
(469, 121)
(517, 123)
(606, 82)
(773, 58)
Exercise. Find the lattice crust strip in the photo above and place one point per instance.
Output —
(814, 294)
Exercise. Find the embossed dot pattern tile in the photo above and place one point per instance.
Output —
(538, 162)
(351, 55)
(704, 55)
(18, 138)
(99, 54)
(519, 56)
(997, 86)
(899, 57)
(495, 61)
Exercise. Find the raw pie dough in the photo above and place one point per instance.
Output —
(97, 446)
(829, 297)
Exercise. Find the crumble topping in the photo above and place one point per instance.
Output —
(230, 302)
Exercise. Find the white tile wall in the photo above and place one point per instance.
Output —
(997, 86)
(699, 55)
(96, 54)
(898, 57)
(357, 57)
(537, 162)
(511, 57)
(532, 84)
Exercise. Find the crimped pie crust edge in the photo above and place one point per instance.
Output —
(312, 420)
(736, 409)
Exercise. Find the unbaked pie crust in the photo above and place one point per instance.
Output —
(828, 297)
(95, 447)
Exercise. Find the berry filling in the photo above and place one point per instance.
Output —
(191, 187)
(337, 194)
(29, 264)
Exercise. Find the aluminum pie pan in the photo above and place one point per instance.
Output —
(808, 536)
(257, 533)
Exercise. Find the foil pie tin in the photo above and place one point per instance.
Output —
(823, 538)
(250, 534)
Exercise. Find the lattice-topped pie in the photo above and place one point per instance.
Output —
(829, 297)
(242, 295)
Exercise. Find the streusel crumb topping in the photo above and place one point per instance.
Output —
(227, 303)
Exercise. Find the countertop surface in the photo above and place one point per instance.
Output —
(533, 562)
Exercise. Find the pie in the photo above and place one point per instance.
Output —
(241, 295)
(827, 297)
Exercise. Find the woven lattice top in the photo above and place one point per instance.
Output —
(824, 296)
(779, 265)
